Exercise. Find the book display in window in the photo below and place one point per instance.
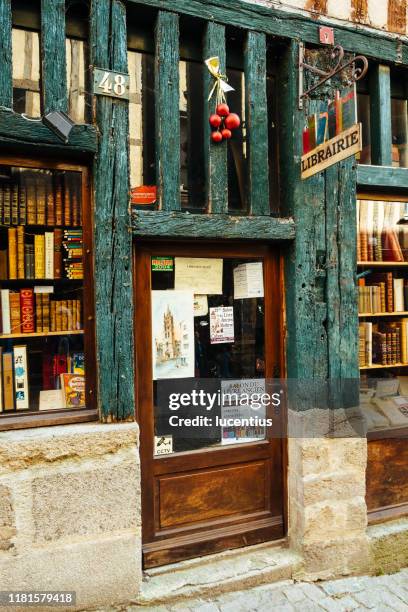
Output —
(382, 273)
(42, 331)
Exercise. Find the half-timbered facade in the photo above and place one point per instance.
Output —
(83, 491)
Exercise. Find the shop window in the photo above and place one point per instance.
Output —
(193, 120)
(141, 119)
(237, 159)
(363, 114)
(399, 119)
(76, 54)
(45, 340)
(382, 251)
(26, 72)
(191, 135)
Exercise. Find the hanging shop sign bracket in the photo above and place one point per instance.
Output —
(358, 65)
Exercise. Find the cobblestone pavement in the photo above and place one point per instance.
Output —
(388, 592)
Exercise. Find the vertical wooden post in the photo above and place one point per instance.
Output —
(167, 110)
(113, 275)
(256, 119)
(380, 116)
(53, 60)
(215, 155)
(342, 305)
(6, 63)
(305, 263)
(322, 340)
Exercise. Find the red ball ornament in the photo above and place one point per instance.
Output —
(222, 110)
(226, 134)
(232, 122)
(216, 137)
(215, 121)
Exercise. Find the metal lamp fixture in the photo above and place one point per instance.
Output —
(59, 123)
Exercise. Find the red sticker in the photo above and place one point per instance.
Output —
(145, 194)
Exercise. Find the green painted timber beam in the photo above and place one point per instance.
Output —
(6, 67)
(380, 115)
(15, 130)
(112, 239)
(256, 119)
(53, 59)
(382, 177)
(215, 155)
(289, 24)
(151, 224)
(167, 110)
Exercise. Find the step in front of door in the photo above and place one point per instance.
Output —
(220, 573)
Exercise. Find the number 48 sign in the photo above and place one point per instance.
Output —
(109, 83)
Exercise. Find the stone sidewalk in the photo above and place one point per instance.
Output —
(362, 593)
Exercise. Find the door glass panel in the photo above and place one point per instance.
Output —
(208, 351)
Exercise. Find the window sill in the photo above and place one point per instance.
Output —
(382, 177)
(46, 419)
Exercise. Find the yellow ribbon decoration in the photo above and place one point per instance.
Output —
(220, 86)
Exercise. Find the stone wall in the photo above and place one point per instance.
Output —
(327, 509)
(70, 511)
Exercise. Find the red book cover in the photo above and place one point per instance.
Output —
(47, 371)
(306, 141)
(27, 311)
(59, 366)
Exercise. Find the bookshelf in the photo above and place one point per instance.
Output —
(382, 277)
(383, 264)
(366, 315)
(42, 334)
(45, 337)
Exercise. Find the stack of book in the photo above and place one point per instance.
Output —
(341, 114)
(40, 197)
(380, 234)
(31, 256)
(27, 311)
(73, 248)
(63, 373)
(383, 343)
(382, 292)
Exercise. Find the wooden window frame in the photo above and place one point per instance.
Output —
(29, 419)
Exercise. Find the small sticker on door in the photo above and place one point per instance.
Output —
(163, 445)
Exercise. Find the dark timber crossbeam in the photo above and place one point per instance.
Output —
(383, 177)
(160, 224)
(278, 22)
(14, 129)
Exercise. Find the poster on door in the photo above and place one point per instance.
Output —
(221, 324)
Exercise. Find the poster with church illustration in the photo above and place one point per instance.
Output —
(173, 334)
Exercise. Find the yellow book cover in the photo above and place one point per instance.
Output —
(12, 252)
(41, 200)
(53, 316)
(38, 312)
(64, 315)
(39, 256)
(404, 351)
(58, 316)
(20, 252)
(73, 386)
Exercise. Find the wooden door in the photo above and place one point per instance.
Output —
(214, 496)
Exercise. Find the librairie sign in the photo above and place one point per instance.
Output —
(331, 151)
